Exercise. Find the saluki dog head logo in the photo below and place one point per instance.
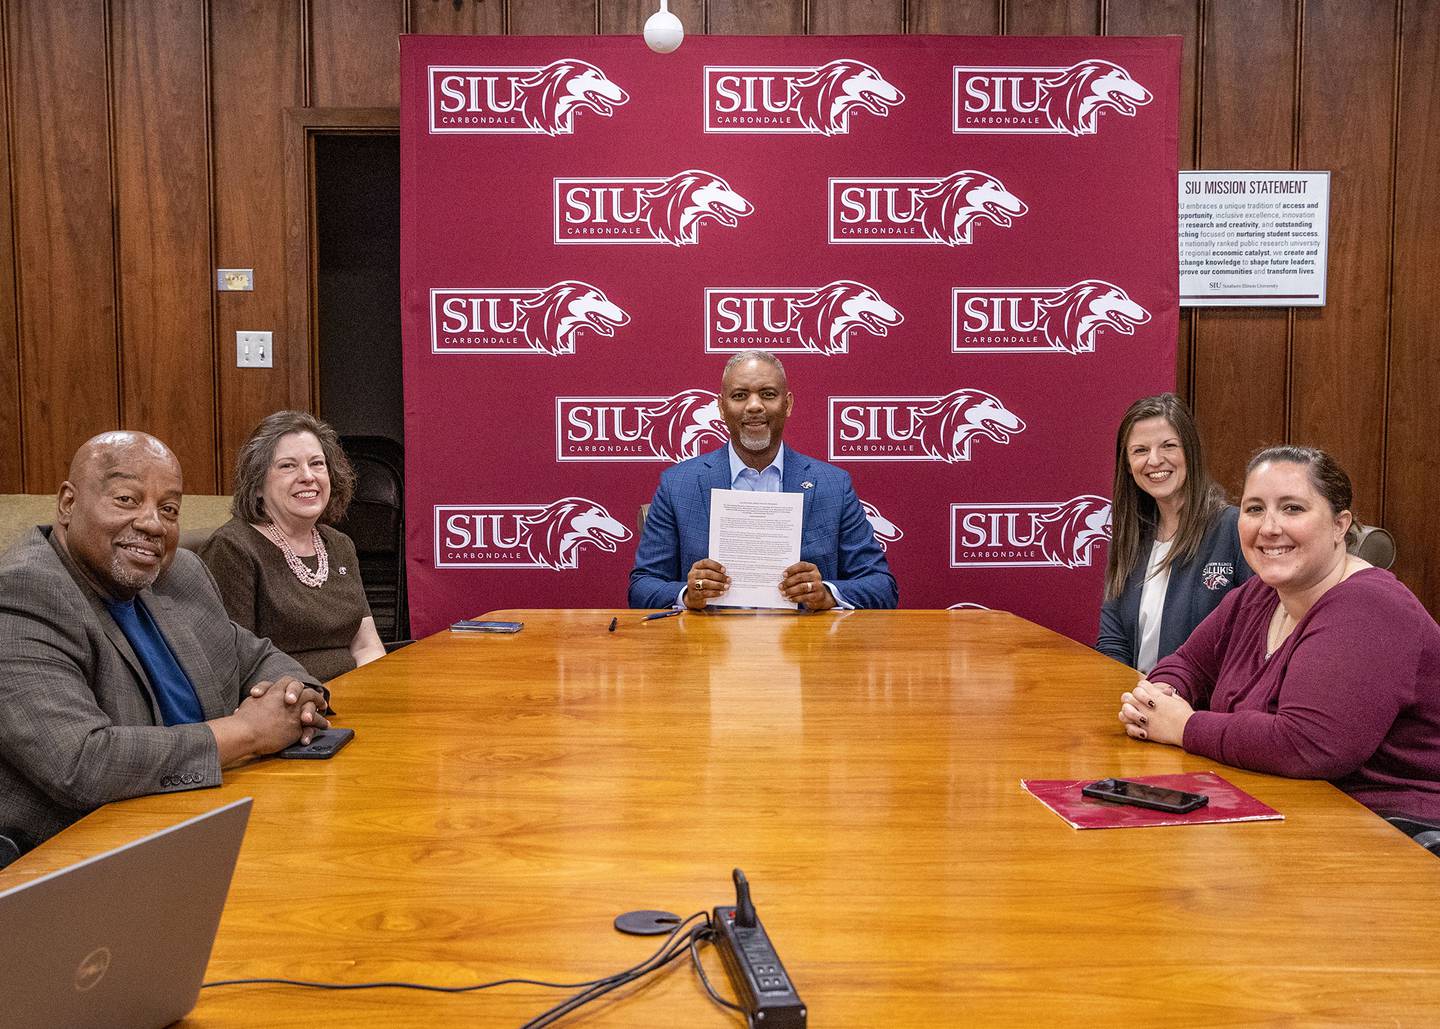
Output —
(554, 535)
(674, 209)
(886, 531)
(918, 210)
(1033, 100)
(550, 99)
(1070, 320)
(810, 99)
(917, 428)
(950, 209)
(681, 427)
(1216, 575)
(1066, 534)
(1075, 97)
(550, 320)
(824, 99)
(1028, 534)
(522, 320)
(947, 428)
(613, 428)
(518, 99)
(824, 319)
(794, 319)
(1039, 319)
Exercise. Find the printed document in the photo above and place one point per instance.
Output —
(756, 536)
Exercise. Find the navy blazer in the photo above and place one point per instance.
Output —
(1195, 589)
(836, 536)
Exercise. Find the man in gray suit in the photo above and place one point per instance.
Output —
(120, 672)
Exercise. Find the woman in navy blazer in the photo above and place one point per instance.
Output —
(1172, 530)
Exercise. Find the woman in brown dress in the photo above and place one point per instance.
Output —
(283, 570)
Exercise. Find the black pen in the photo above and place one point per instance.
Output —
(613, 623)
(662, 614)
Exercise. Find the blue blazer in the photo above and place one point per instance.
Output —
(1195, 589)
(836, 536)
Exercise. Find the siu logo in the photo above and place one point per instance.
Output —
(645, 210)
(520, 321)
(924, 211)
(523, 535)
(1216, 575)
(1049, 100)
(794, 320)
(918, 428)
(795, 99)
(1040, 319)
(527, 100)
(886, 531)
(1062, 535)
(638, 428)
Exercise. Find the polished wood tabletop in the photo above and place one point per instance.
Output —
(506, 797)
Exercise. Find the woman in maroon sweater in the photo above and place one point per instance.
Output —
(1321, 667)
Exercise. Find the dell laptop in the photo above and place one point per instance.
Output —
(120, 940)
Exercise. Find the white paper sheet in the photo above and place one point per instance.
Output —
(756, 536)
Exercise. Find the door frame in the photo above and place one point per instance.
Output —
(302, 126)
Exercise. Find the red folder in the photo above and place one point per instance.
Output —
(1228, 803)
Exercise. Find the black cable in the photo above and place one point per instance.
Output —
(675, 946)
(393, 985)
(669, 952)
(432, 988)
(708, 934)
(570, 1004)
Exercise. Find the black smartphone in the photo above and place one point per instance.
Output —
(326, 743)
(1139, 794)
(473, 625)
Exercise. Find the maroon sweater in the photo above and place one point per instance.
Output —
(1353, 695)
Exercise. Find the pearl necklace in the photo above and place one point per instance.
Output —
(314, 579)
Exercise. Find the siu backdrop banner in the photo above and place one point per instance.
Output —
(964, 250)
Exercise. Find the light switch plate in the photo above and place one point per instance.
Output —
(253, 350)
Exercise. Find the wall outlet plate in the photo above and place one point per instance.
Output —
(253, 350)
(231, 280)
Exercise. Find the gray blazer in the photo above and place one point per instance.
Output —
(1195, 589)
(79, 723)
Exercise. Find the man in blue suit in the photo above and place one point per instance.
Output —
(841, 564)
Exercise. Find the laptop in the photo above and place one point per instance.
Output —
(120, 940)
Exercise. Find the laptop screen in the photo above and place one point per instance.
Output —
(120, 940)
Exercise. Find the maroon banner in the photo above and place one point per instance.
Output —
(964, 250)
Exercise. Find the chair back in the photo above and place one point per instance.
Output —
(1374, 544)
(375, 522)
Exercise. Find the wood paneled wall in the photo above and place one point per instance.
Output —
(141, 146)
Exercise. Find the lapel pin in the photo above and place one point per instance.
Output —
(341, 569)
(807, 484)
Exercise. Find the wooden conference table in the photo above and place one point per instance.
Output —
(506, 796)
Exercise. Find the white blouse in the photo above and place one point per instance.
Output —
(1152, 604)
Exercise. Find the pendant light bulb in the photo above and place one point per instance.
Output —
(663, 31)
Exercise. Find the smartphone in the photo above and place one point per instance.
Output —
(323, 745)
(471, 625)
(1139, 794)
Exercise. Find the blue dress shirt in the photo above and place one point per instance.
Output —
(176, 696)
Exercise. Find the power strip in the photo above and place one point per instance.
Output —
(761, 983)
